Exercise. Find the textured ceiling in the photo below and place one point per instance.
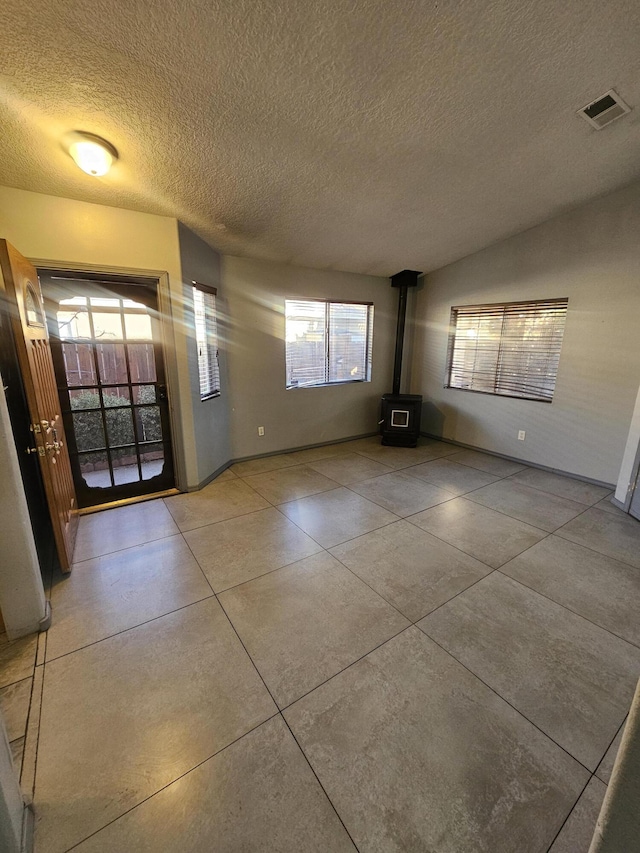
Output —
(363, 135)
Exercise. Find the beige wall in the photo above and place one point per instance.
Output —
(74, 232)
(256, 291)
(592, 256)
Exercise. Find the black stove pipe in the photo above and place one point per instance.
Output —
(402, 280)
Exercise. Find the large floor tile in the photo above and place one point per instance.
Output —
(451, 476)
(356, 445)
(258, 795)
(576, 834)
(313, 454)
(617, 536)
(114, 529)
(289, 484)
(225, 475)
(599, 588)
(489, 536)
(305, 622)
(564, 487)
(17, 658)
(118, 591)
(569, 677)
(486, 462)
(418, 755)
(17, 754)
(349, 468)
(409, 568)
(30, 745)
(215, 502)
(234, 551)
(404, 457)
(14, 706)
(126, 716)
(401, 493)
(606, 505)
(264, 463)
(532, 506)
(605, 768)
(333, 517)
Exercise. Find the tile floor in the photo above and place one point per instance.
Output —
(338, 649)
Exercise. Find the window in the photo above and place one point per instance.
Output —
(204, 302)
(328, 342)
(510, 349)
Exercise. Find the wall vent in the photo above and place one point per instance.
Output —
(604, 110)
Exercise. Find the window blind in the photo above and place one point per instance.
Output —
(348, 341)
(206, 328)
(510, 349)
(327, 342)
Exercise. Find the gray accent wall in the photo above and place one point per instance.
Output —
(199, 262)
(256, 291)
(590, 255)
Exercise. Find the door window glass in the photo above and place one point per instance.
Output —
(88, 430)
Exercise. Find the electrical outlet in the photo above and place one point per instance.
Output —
(260, 430)
(521, 435)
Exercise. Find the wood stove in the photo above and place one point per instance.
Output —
(400, 413)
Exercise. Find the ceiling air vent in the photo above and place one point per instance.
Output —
(604, 110)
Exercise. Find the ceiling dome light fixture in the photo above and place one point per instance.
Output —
(92, 154)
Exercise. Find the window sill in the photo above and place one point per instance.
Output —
(328, 384)
(210, 396)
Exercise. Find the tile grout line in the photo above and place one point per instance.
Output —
(384, 598)
(569, 609)
(571, 811)
(118, 550)
(173, 781)
(593, 550)
(131, 627)
(619, 729)
(335, 545)
(449, 600)
(555, 494)
(466, 553)
(515, 518)
(310, 765)
(13, 683)
(37, 743)
(233, 627)
(500, 696)
(197, 562)
(347, 666)
(32, 793)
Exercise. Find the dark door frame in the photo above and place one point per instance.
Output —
(150, 412)
(170, 337)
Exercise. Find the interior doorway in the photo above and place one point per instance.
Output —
(107, 354)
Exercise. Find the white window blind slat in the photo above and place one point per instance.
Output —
(511, 349)
(206, 329)
(327, 342)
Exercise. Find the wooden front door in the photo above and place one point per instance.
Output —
(26, 309)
